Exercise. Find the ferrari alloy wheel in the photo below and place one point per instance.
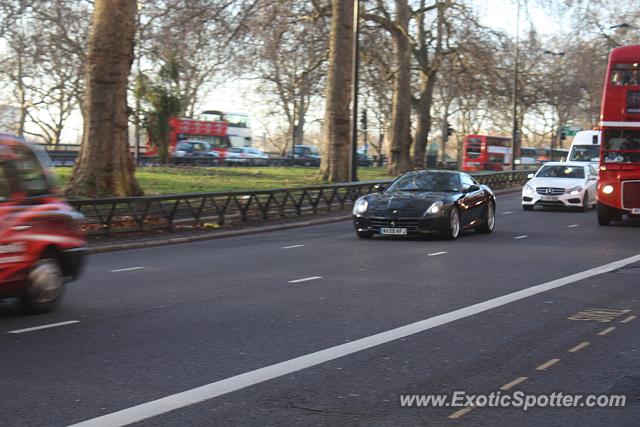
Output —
(453, 230)
(46, 285)
(489, 220)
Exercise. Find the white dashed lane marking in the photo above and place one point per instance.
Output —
(127, 269)
(306, 279)
(437, 253)
(37, 328)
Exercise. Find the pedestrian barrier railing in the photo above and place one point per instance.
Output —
(170, 212)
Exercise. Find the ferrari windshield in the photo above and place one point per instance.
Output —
(435, 181)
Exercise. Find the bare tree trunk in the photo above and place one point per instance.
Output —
(301, 112)
(337, 124)
(423, 112)
(400, 138)
(105, 166)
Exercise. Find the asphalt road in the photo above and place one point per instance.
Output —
(309, 327)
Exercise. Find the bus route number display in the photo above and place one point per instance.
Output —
(633, 102)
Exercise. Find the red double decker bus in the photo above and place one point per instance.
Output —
(619, 174)
(486, 153)
(184, 128)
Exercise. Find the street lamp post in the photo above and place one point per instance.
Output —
(293, 133)
(515, 132)
(353, 156)
(139, 77)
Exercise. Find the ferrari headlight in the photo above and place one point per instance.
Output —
(575, 190)
(360, 206)
(434, 208)
(607, 189)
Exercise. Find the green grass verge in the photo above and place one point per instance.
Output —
(167, 180)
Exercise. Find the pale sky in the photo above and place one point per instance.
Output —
(501, 15)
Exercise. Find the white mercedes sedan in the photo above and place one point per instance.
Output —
(561, 184)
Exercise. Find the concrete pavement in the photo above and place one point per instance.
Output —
(159, 321)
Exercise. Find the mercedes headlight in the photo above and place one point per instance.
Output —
(434, 208)
(575, 190)
(360, 207)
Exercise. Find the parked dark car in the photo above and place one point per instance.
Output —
(194, 152)
(364, 160)
(306, 155)
(425, 202)
(42, 244)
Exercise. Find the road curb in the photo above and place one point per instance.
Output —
(161, 241)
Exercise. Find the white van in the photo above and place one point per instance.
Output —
(586, 147)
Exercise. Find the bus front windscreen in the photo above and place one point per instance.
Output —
(474, 148)
(584, 153)
(621, 145)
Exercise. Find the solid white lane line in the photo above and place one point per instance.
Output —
(306, 279)
(127, 269)
(507, 213)
(437, 253)
(574, 225)
(291, 247)
(209, 391)
(524, 236)
(37, 328)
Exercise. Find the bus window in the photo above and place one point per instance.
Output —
(237, 120)
(211, 116)
(625, 75)
(474, 148)
(622, 145)
(499, 142)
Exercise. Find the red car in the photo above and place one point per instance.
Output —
(42, 244)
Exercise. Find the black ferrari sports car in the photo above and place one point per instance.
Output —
(423, 202)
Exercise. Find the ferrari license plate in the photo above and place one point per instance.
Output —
(549, 198)
(635, 211)
(394, 231)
